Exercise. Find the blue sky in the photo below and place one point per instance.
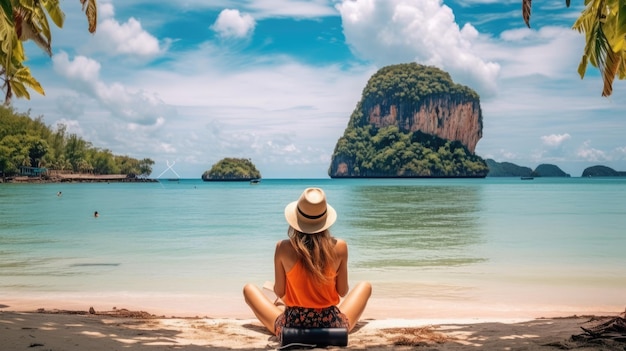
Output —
(193, 81)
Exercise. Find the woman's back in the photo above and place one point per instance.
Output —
(305, 290)
(298, 283)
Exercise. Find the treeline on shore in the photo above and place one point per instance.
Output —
(29, 147)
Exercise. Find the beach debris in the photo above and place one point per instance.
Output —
(559, 345)
(420, 336)
(607, 329)
(121, 312)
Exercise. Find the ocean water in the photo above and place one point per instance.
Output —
(435, 244)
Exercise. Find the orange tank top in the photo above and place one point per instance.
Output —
(302, 291)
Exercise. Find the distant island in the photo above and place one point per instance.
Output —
(412, 121)
(508, 169)
(602, 171)
(232, 169)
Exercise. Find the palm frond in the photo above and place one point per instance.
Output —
(23, 76)
(91, 11)
(31, 32)
(526, 5)
(7, 33)
(19, 90)
(8, 95)
(40, 21)
(609, 71)
(622, 66)
(616, 24)
(605, 40)
(7, 9)
(53, 8)
(582, 66)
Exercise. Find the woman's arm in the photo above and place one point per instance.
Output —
(341, 248)
(280, 276)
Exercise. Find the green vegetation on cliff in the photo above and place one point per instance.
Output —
(232, 169)
(391, 151)
(387, 152)
(27, 142)
(410, 83)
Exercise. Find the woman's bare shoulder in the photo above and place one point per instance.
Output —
(284, 247)
(341, 246)
(283, 243)
(340, 242)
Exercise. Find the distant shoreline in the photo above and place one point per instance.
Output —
(79, 178)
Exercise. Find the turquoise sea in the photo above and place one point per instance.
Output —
(429, 246)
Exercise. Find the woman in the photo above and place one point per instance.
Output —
(310, 272)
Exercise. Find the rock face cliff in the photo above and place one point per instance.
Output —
(412, 121)
(456, 118)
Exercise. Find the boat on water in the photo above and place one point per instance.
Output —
(255, 181)
(527, 178)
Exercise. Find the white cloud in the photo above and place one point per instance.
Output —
(127, 38)
(105, 10)
(398, 31)
(555, 140)
(620, 153)
(71, 126)
(135, 106)
(507, 155)
(587, 153)
(232, 24)
(82, 69)
(549, 51)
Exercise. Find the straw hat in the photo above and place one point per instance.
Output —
(310, 214)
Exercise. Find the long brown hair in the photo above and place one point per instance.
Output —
(316, 251)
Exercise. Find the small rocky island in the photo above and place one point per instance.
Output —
(412, 121)
(508, 169)
(602, 171)
(232, 169)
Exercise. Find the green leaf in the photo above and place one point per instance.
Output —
(23, 75)
(582, 67)
(19, 90)
(7, 9)
(53, 8)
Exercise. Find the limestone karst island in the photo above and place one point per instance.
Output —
(232, 169)
(412, 121)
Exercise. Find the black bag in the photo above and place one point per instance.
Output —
(313, 337)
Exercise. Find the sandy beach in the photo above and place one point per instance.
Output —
(124, 329)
